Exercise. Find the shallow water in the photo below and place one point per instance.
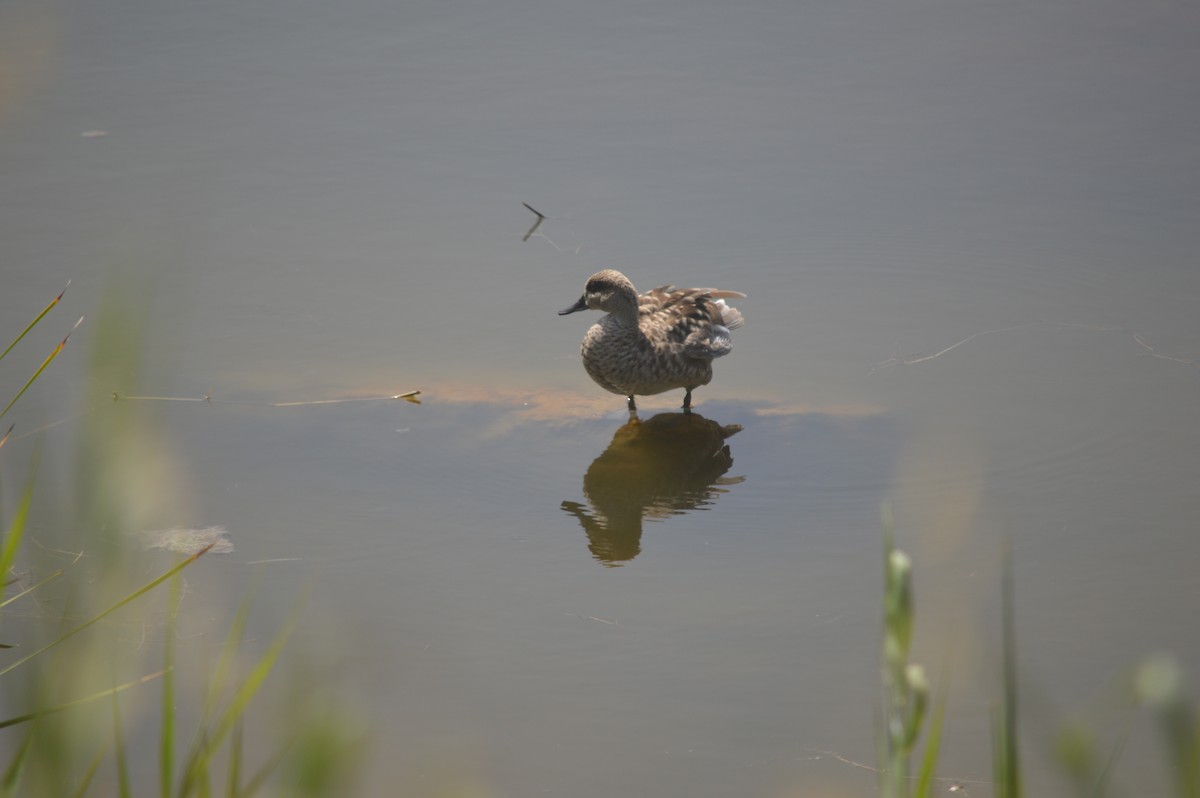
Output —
(967, 235)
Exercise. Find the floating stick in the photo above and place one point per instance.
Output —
(536, 224)
(408, 396)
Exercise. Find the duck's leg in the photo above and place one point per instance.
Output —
(632, 404)
(687, 401)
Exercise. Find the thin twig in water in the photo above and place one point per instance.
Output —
(43, 428)
(533, 231)
(593, 618)
(1147, 346)
(536, 224)
(408, 396)
(850, 762)
(906, 360)
(119, 396)
(75, 556)
(956, 785)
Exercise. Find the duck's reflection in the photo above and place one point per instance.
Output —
(667, 465)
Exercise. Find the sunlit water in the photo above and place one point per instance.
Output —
(967, 235)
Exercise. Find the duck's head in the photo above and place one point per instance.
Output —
(609, 291)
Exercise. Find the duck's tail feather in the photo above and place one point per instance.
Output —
(730, 317)
(720, 343)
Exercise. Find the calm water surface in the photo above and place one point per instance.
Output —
(968, 238)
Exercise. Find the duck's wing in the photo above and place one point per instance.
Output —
(697, 320)
(666, 296)
(699, 326)
(655, 298)
(708, 302)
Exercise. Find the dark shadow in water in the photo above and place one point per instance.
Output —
(667, 465)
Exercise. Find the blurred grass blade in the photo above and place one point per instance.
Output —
(12, 774)
(1005, 756)
(146, 588)
(934, 741)
(235, 759)
(119, 751)
(203, 787)
(196, 769)
(217, 684)
(1159, 684)
(1118, 747)
(4, 439)
(111, 691)
(58, 349)
(222, 673)
(33, 323)
(167, 738)
(32, 588)
(258, 675)
(255, 784)
(90, 773)
(16, 530)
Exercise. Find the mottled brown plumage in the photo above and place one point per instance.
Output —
(664, 339)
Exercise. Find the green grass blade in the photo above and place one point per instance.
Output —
(258, 675)
(1006, 759)
(235, 760)
(998, 766)
(203, 785)
(1118, 747)
(146, 588)
(123, 788)
(4, 439)
(34, 323)
(934, 740)
(223, 672)
(217, 684)
(16, 530)
(197, 768)
(49, 359)
(90, 773)
(166, 750)
(256, 782)
(111, 691)
(12, 774)
(32, 588)
(1158, 683)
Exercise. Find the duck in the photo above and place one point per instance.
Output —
(662, 340)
